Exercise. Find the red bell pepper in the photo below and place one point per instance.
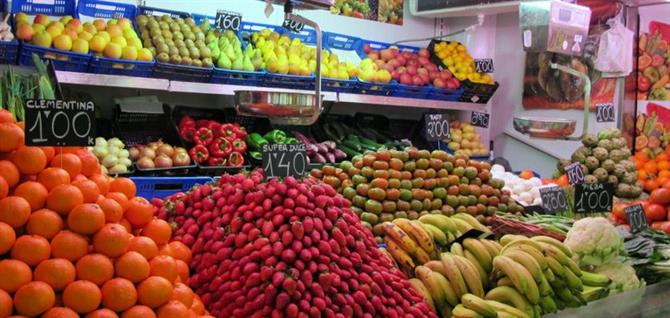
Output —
(235, 159)
(203, 136)
(240, 132)
(199, 154)
(186, 121)
(202, 123)
(220, 148)
(187, 133)
(216, 161)
(227, 131)
(239, 145)
(213, 125)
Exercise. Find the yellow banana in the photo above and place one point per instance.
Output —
(401, 257)
(421, 256)
(532, 292)
(461, 312)
(556, 243)
(562, 258)
(454, 275)
(424, 274)
(423, 291)
(470, 275)
(502, 308)
(508, 295)
(564, 294)
(461, 225)
(400, 237)
(477, 249)
(482, 273)
(505, 281)
(543, 285)
(472, 221)
(479, 305)
(508, 238)
(416, 232)
(436, 266)
(445, 310)
(491, 246)
(438, 235)
(521, 241)
(457, 249)
(451, 237)
(506, 266)
(527, 261)
(449, 293)
(535, 253)
(442, 222)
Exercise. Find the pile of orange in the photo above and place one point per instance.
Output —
(653, 171)
(75, 243)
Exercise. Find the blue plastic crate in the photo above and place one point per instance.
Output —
(445, 147)
(370, 88)
(62, 60)
(338, 85)
(289, 81)
(183, 73)
(341, 41)
(378, 46)
(451, 95)
(99, 9)
(144, 10)
(234, 77)
(411, 91)
(52, 8)
(9, 51)
(162, 187)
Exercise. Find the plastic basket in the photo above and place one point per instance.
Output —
(183, 73)
(378, 46)
(477, 93)
(370, 88)
(103, 65)
(289, 81)
(9, 52)
(162, 187)
(341, 42)
(54, 8)
(445, 147)
(98, 9)
(144, 10)
(411, 91)
(233, 77)
(452, 95)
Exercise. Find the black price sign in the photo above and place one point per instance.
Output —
(60, 123)
(636, 217)
(605, 113)
(594, 197)
(226, 20)
(293, 26)
(575, 173)
(553, 200)
(480, 119)
(437, 127)
(484, 66)
(284, 160)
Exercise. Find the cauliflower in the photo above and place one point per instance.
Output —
(622, 275)
(594, 241)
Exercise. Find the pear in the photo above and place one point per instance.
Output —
(247, 65)
(224, 62)
(238, 64)
(216, 52)
(257, 62)
(230, 52)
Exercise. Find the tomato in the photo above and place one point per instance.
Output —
(660, 196)
(643, 83)
(618, 211)
(666, 229)
(666, 185)
(655, 212)
(660, 226)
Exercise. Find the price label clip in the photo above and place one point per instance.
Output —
(594, 197)
(478, 119)
(554, 200)
(636, 217)
(227, 20)
(605, 113)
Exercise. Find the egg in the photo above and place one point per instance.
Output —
(519, 189)
(535, 192)
(498, 168)
(526, 197)
(535, 181)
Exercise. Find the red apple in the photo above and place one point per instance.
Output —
(386, 54)
(405, 79)
(400, 60)
(445, 75)
(424, 61)
(424, 53)
(412, 62)
(412, 70)
(395, 75)
(431, 67)
(439, 83)
(422, 70)
(389, 67)
(401, 70)
(374, 55)
(366, 48)
(407, 55)
(380, 64)
(417, 81)
(434, 75)
(425, 78)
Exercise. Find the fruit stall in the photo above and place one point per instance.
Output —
(323, 158)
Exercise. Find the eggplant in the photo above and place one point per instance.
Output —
(339, 154)
(322, 148)
(302, 138)
(330, 144)
(331, 157)
(318, 158)
(311, 149)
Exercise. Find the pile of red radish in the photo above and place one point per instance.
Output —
(290, 248)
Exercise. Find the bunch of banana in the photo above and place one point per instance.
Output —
(445, 230)
(479, 252)
(409, 243)
(472, 306)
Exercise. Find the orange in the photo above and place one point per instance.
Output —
(86, 219)
(50, 152)
(82, 296)
(663, 165)
(158, 230)
(64, 198)
(182, 270)
(650, 167)
(164, 266)
(6, 117)
(51, 177)
(96, 268)
(664, 174)
(7, 237)
(45, 223)
(144, 245)
(89, 189)
(12, 137)
(651, 185)
(112, 240)
(183, 294)
(57, 272)
(198, 306)
(34, 192)
(9, 172)
(119, 197)
(123, 185)
(118, 294)
(102, 181)
(69, 245)
(14, 274)
(89, 163)
(139, 211)
(526, 174)
(31, 249)
(124, 222)
(139, 311)
(5, 304)
(102, 313)
(180, 251)
(154, 291)
(132, 266)
(14, 211)
(29, 160)
(173, 309)
(112, 209)
(4, 188)
(60, 312)
(68, 161)
(34, 298)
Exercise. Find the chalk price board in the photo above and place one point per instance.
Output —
(605, 113)
(293, 26)
(60, 123)
(227, 20)
(553, 200)
(594, 197)
(636, 217)
(437, 127)
(575, 173)
(484, 66)
(478, 119)
(284, 160)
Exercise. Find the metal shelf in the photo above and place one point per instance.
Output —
(103, 80)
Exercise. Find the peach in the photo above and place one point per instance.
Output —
(38, 28)
(121, 41)
(63, 42)
(42, 38)
(100, 24)
(85, 36)
(113, 50)
(129, 53)
(74, 26)
(66, 19)
(41, 19)
(97, 43)
(54, 31)
(24, 32)
(71, 33)
(105, 36)
(21, 17)
(80, 46)
(90, 28)
(135, 42)
(125, 24)
(145, 55)
(114, 30)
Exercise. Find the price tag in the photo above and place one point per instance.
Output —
(605, 113)
(437, 127)
(553, 200)
(484, 66)
(636, 217)
(284, 160)
(480, 119)
(226, 20)
(60, 123)
(575, 173)
(293, 26)
(594, 197)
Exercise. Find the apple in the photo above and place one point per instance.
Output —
(389, 67)
(401, 60)
(422, 70)
(387, 54)
(446, 75)
(413, 62)
(412, 70)
(425, 78)
(366, 48)
(439, 83)
(401, 70)
(406, 79)
(431, 67)
(395, 75)
(434, 75)
(407, 55)
(424, 61)
(424, 53)
(417, 81)
(380, 64)
(374, 55)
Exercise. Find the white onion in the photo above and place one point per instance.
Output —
(123, 153)
(110, 161)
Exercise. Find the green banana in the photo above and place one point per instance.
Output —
(594, 279)
(510, 296)
(505, 309)
(479, 305)
(461, 312)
